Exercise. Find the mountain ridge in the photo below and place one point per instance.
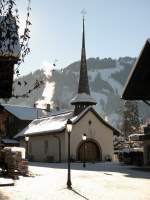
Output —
(106, 79)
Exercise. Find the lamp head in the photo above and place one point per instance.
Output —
(26, 138)
(84, 137)
(69, 126)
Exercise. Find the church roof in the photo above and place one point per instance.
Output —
(9, 39)
(83, 97)
(75, 119)
(57, 123)
(54, 124)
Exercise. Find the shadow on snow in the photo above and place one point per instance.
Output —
(105, 167)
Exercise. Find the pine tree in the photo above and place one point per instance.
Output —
(131, 122)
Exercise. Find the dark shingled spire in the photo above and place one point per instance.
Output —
(83, 80)
(83, 98)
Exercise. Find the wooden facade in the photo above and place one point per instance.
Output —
(6, 76)
(9, 53)
(137, 87)
(10, 125)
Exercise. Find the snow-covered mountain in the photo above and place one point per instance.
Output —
(57, 87)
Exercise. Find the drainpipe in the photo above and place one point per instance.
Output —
(59, 147)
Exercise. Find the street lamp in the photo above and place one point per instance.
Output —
(69, 129)
(26, 140)
(84, 139)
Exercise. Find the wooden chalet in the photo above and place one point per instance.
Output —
(137, 87)
(9, 53)
(14, 118)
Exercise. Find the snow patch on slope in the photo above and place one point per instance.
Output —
(49, 86)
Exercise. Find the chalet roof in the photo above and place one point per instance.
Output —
(9, 141)
(9, 39)
(137, 86)
(57, 123)
(25, 112)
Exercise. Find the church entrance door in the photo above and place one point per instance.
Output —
(89, 151)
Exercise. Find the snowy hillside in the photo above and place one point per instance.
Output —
(106, 78)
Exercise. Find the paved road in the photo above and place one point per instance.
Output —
(100, 181)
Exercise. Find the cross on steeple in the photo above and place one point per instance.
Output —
(83, 12)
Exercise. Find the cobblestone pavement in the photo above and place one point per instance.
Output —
(100, 181)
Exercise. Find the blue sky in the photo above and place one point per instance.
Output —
(113, 28)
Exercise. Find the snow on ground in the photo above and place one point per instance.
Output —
(100, 181)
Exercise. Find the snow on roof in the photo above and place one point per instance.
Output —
(83, 97)
(135, 134)
(17, 149)
(24, 112)
(55, 123)
(9, 40)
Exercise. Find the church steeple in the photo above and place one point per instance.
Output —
(83, 80)
(83, 98)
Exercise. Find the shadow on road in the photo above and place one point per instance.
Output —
(105, 167)
(79, 194)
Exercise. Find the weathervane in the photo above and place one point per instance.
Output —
(83, 12)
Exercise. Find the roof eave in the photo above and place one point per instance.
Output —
(129, 91)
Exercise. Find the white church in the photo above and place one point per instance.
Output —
(48, 137)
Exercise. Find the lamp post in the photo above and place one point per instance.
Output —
(26, 140)
(84, 139)
(69, 129)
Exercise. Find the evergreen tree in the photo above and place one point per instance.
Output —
(131, 122)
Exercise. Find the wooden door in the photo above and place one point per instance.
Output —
(89, 151)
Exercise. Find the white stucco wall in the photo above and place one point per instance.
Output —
(96, 131)
(37, 147)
